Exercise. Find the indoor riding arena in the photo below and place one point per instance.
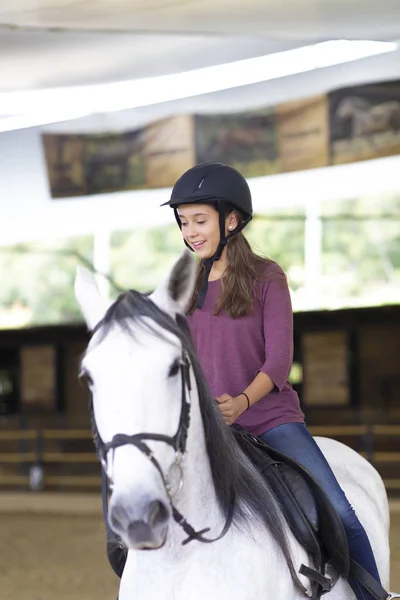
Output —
(106, 106)
(52, 539)
(52, 546)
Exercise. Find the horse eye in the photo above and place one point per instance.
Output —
(174, 369)
(86, 375)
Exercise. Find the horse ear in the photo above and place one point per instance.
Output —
(89, 298)
(174, 293)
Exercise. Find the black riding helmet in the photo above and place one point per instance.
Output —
(218, 184)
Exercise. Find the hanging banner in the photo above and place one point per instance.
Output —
(344, 126)
(246, 142)
(303, 134)
(168, 150)
(151, 157)
(364, 122)
(80, 165)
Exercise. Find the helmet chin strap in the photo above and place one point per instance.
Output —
(208, 263)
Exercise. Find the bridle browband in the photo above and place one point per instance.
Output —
(178, 442)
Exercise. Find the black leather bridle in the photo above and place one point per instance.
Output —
(178, 442)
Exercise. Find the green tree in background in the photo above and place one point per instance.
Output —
(360, 260)
(281, 238)
(140, 259)
(41, 278)
(361, 256)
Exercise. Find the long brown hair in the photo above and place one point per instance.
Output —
(244, 268)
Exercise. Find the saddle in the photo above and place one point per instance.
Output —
(310, 516)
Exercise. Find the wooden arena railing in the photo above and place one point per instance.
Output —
(46, 449)
(387, 457)
(339, 430)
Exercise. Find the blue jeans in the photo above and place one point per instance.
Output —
(294, 440)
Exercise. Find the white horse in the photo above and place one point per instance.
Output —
(169, 472)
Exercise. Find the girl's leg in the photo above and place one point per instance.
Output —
(294, 440)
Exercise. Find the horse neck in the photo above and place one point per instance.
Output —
(197, 499)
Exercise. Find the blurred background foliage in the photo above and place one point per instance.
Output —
(360, 261)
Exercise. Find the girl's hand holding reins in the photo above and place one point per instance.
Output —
(231, 407)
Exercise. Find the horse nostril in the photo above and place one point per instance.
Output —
(158, 513)
(118, 517)
(140, 532)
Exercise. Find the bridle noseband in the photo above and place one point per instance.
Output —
(178, 443)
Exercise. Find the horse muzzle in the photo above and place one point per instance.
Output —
(142, 523)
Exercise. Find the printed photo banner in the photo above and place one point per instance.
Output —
(344, 126)
(151, 157)
(364, 122)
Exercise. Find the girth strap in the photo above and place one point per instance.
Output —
(370, 583)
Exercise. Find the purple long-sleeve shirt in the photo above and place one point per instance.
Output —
(233, 351)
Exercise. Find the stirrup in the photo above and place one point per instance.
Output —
(392, 596)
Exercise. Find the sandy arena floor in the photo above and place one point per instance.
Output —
(47, 556)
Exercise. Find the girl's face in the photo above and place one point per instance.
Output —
(200, 227)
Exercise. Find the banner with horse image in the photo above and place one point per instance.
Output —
(151, 157)
(344, 126)
(80, 165)
(364, 122)
(247, 142)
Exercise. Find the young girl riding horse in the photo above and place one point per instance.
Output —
(242, 324)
